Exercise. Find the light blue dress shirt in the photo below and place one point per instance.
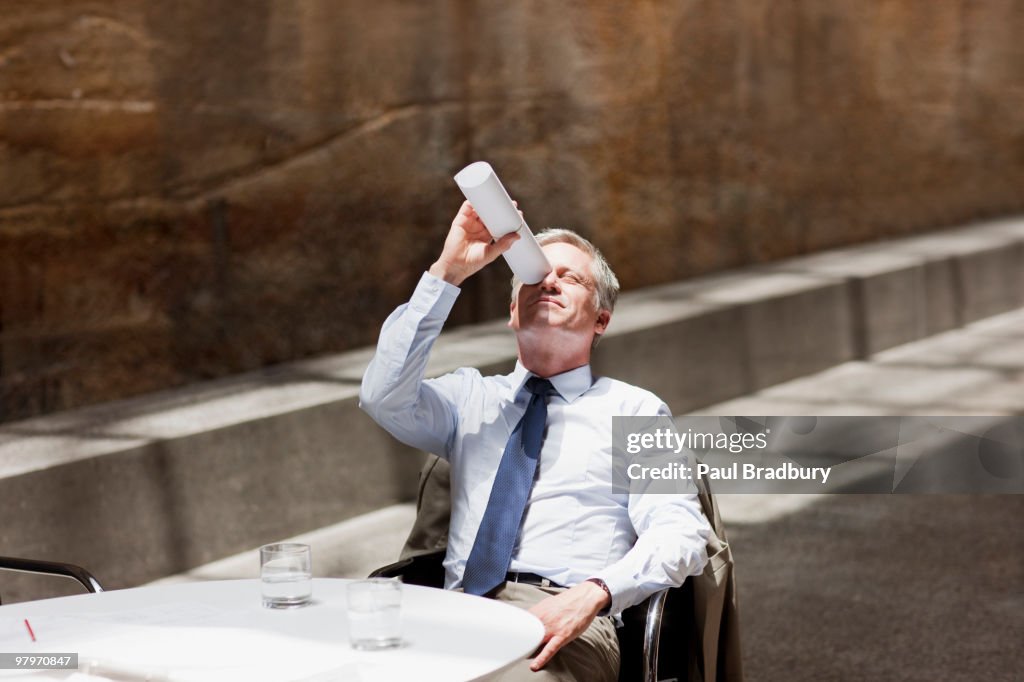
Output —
(574, 526)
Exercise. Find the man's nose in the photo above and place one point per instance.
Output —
(550, 282)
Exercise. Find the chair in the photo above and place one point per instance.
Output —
(84, 577)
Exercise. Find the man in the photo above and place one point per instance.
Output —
(534, 520)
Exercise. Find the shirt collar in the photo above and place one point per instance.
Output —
(570, 385)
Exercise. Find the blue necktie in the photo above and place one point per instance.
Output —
(492, 550)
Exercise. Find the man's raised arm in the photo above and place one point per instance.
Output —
(417, 412)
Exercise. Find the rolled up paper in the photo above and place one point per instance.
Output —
(481, 185)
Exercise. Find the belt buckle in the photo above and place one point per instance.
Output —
(541, 582)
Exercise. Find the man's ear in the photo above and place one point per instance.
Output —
(511, 312)
(603, 319)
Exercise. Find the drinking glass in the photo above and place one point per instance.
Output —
(286, 571)
(374, 613)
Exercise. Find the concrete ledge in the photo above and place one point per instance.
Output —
(887, 295)
(164, 506)
(984, 262)
(140, 489)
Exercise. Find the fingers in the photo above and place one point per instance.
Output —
(467, 216)
(467, 212)
(549, 650)
(506, 242)
(501, 246)
(468, 220)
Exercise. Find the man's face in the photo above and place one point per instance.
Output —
(564, 302)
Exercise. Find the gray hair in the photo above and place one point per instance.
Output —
(606, 284)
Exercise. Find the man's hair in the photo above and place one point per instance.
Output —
(606, 284)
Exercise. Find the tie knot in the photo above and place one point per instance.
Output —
(541, 387)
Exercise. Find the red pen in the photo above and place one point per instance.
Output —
(30, 633)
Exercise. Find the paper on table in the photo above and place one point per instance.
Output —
(481, 185)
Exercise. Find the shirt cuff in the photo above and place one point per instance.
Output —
(434, 297)
(604, 588)
(618, 588)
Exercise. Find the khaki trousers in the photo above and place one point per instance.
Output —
(591, 657)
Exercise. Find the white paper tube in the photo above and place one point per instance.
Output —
(481, 185)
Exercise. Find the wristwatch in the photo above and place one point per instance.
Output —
(604, 586)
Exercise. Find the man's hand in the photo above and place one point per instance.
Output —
(468, 247)
(565, 616)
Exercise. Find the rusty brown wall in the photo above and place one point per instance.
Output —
(192, 188)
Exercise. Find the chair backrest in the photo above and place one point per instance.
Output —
(63, 570)
(425, 569)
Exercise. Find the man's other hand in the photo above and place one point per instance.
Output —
(565, 616)
(468, 247)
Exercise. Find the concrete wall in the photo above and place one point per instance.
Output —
(194, 189)
(139, 489)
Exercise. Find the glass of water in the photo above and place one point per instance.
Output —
(374, 613)
(286, 571)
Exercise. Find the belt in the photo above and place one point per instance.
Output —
(530, 579)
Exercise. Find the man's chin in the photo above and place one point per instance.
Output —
(545, 329)
(542, 318)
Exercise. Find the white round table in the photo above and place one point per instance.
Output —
(219, 631)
